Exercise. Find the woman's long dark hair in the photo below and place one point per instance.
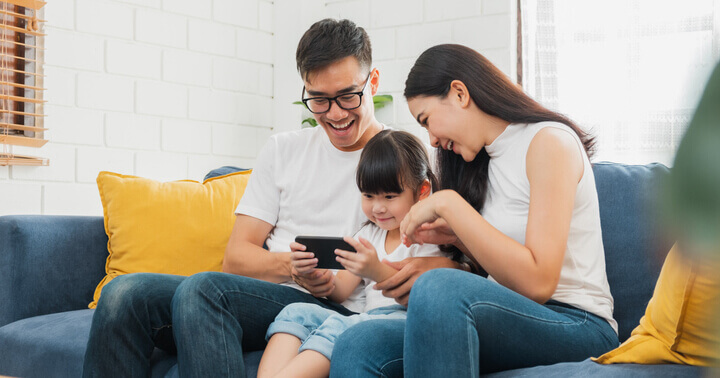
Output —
(493, 93)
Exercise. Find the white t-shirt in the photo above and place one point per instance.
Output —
(583, 280)
(376, 236)
(303, 185)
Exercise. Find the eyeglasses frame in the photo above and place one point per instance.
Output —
(335, 99)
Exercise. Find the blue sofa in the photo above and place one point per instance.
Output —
(50, 265)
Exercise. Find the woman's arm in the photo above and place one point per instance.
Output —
(554, 168)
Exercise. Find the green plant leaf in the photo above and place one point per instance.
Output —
(381, 100)
(310, 121)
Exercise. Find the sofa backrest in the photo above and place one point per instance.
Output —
(635, 246)
(49, 263)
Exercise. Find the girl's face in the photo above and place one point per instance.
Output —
(387, 210)
(448, 123)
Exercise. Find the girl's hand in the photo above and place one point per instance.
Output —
(364, 262)
(302, 262)
(424, 211)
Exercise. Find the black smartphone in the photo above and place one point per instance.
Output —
(324, 249)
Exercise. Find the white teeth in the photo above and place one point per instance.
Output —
(340, 126)
(449, 146)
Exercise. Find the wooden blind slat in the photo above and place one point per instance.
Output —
(19, 57)
(13, 126)
(21, 99)
(22, 141)
(7, 159)
(22, 72)
(23, 44)
(16, 85)
(25, 31)
(19, 15)
(32, 4)
(22, 113)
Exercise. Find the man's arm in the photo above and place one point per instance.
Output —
(244, 254)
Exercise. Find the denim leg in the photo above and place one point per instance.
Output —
(132, 317)
(322, 339)
(299, 320)
(463, 325)
(370, 349)
(217, 316)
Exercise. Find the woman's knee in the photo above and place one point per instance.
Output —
(435, 286)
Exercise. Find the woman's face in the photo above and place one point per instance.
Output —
(450, 125)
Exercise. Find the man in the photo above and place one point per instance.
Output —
(303, 183)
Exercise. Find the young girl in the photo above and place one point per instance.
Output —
(393, 174)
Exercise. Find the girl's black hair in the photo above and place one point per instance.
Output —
(393, 161)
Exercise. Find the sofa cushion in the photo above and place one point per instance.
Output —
(680, 324)
(634, 245)
(588, 368)
(178, 227)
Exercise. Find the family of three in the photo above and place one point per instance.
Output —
(514, 199)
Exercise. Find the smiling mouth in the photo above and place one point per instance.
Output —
(449, 145)
(341, 126)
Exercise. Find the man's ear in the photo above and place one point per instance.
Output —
(425, 190)
(374, 81)
(459, 92)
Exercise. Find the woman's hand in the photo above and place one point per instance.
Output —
(364, 262)
(425, 212)
(398, 286)
(436, 232)
(319, 282)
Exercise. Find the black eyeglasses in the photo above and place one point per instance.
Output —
(347, 101)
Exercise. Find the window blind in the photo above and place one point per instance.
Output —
(21, 92)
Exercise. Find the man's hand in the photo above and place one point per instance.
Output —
(319, 282)
(399, 285)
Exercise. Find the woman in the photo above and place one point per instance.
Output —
(519, 200)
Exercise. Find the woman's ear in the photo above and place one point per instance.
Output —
(459, 92)
(425, 190)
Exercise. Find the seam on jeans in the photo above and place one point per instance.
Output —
(161, 327)
(584, 320)
(386, 364)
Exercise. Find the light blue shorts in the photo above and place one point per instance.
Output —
(318, 327)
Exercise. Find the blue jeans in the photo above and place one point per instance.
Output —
(318, 327)
(209, 319)
(462, 325)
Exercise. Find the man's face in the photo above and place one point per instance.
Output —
(348, 130)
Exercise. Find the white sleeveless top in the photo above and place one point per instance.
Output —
(583, 281)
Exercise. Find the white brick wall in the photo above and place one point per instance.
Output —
(170, 89)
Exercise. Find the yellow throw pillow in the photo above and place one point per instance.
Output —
(681, 323)
(178, 227)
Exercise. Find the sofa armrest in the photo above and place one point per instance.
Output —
(49, 263)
